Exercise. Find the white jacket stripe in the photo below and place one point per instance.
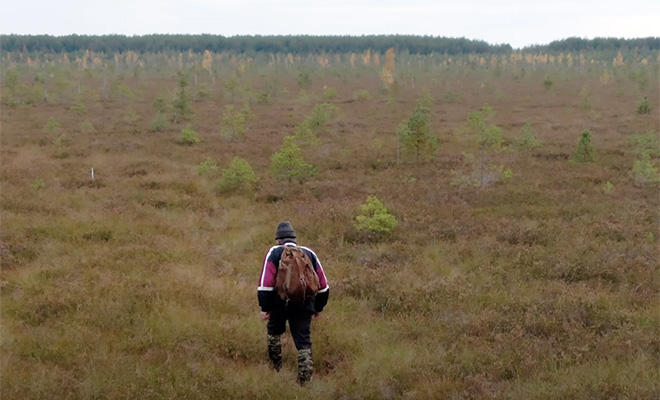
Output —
(265, 267)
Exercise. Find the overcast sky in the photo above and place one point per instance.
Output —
(517, 22)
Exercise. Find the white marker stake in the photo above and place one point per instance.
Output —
(92, 173)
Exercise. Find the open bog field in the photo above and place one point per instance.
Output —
(514, 269)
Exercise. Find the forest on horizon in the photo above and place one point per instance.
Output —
(301, 44)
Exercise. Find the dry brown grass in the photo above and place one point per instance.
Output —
(141, 283)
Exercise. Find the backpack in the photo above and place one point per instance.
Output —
(296, 279)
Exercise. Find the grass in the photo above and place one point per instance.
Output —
(141, 283)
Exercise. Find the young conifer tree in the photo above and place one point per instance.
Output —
(182, 108)
(288, 163)
(415, 134)
(488, 136)
(586, 150)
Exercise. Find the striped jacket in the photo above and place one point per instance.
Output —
(269, 300)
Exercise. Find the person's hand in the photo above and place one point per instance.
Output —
(265, 315)
(316, 315)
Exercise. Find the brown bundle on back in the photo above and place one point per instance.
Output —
(296, 279)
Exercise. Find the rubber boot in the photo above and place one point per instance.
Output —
(305, 366)
(275, 351)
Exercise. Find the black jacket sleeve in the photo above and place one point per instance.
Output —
(266, 300)
(321, 300)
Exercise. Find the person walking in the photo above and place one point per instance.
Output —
(277, 308)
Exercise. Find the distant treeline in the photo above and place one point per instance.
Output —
(299, 44)
(599, 44)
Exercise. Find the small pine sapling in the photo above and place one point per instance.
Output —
(52, 125)
(643, 107)
(160, 123)
(528, 140)
(375, 218)
(207, 166)
(189, 136)
(288, 163)
(644, 172)
(586, 150)
(547, 84)
(238, 177)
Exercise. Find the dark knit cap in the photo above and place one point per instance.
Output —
(285, 231)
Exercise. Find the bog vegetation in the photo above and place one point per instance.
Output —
(488, 220)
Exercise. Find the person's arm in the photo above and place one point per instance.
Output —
(323, 294)
(266, 288)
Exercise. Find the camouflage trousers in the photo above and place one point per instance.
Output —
(275, 351)
(305, 366)
(305, 361)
